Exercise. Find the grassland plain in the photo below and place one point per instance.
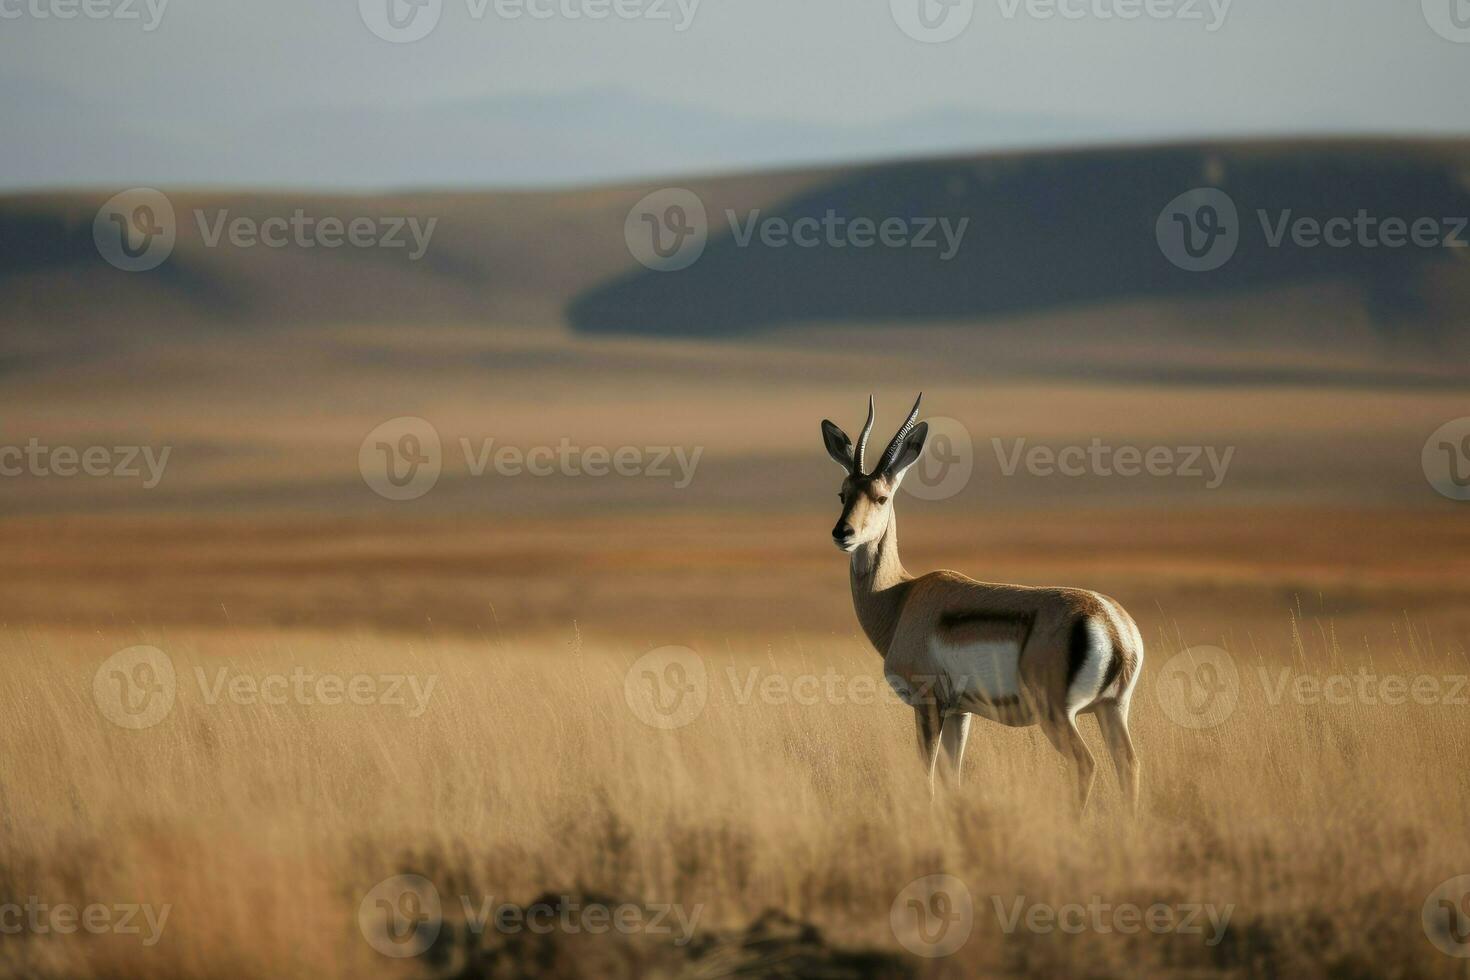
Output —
(482, 726)
(506, 754)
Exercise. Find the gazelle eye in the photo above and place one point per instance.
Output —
(882, 500)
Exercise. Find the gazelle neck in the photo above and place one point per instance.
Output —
(879, 586)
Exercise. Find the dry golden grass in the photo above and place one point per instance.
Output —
(1325, 827)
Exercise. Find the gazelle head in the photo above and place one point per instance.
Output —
(867, 498)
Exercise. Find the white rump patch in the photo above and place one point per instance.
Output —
(985, 671)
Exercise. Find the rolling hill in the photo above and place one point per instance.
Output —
(1058, 251)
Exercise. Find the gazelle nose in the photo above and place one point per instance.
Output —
(842, 530)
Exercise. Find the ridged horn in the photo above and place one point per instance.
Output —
(891, 453)
(862, 443)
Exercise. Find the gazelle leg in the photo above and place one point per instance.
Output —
(928, 719)
(955, 734)
(1063, 734)
(1112, 719)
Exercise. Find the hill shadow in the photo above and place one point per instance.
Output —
(1047, 231)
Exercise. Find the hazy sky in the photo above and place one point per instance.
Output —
(521, 92)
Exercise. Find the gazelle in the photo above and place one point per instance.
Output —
(953, 647)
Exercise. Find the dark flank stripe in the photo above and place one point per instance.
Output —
(1022, 621)
(1077, 649)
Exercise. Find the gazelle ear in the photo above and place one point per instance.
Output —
(909, 451)
(839, 446)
